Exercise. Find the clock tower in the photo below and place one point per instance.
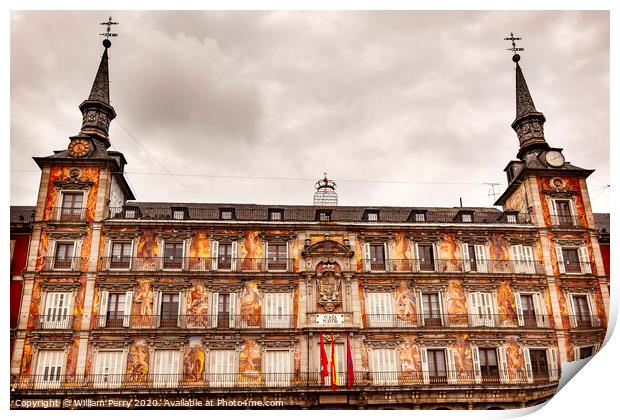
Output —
(553, 194)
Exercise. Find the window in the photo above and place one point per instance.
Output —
(49, 368)
(562, 213)
(116, 309)
(583, 352)
(384, 367)
(573, 260)
(540, 366)
(169, 309)
(511, 218)
(372, 215)
(71, 206)
(581, 311)
(277, 310)
(227, 214)
(178, 214)
(529, 310)
(276, 214)
(431, 309)
(474, 257)
(324, 215)
(425, 256)
(522, 257)
(375, 256)
(223, 310)
(467, 217)
(481, 309)
(379, 309)
(130, 213)
(436, 365)
(222, 369)
(57, 310)
(108, 369)
(277, 370)
(173, 255)
(489, 368)
(224, 255)
(166, 368)
(341, 359)
(277, 256)
(419, 216)
(63, 257)
(121, 255)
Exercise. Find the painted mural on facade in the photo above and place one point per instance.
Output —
(360, 292)
(457, 306)
(250, 304)
(515, 359)
(42, 252)
(57, 174)
(251, 251)
(199, 250)
(142, 306)
(78, 303)
(463, 361)
(405, 303)
(197, 308)
(517, 201)
(26, 358)
(35, 303)
(401, 253)
(561, 184)
(448, 254)
(194, 362)
(146, 249)
(506, 304)
(410, 359)
(138, 361)
(72, 357)
(250, 361)
(95, 308)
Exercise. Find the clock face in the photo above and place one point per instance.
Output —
(554, 158)
(79, 147)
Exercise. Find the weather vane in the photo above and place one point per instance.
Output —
(108, 32)
(514, 47)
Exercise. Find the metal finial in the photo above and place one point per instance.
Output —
(108, 32)
(516, 57)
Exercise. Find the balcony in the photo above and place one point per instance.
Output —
(469, 320)
(62, 264)
(67, 214)
(584, 321)
(567, 221)
(454, 266)
(196, 264)
(196, 321)
(302, 380)
(575, 267)
(53, 322)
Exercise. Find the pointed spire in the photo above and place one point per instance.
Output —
(528, 123)
(96, 110)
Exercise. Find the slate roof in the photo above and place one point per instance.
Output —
(22, 214)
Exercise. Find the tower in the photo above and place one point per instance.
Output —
(553, 193)
(78, 184)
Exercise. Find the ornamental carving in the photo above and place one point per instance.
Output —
(277, 237)
(73, 182)
(60, 285)
(327, 248)
(67, 234)
(221, 345)
(175, 234)
(122, 235)
(569, 242)
(329, 286)
(472, 238)
(521, 240)
(273, 344)
(422, 237)
(381, 344)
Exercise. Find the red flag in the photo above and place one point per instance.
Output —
(334, 370)
(350, 372)
(324, 369)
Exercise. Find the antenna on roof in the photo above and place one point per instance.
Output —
(492, 190)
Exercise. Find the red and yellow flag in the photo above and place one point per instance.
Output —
(324, 368)
(334, 369)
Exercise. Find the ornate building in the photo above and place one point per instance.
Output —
(467, 308)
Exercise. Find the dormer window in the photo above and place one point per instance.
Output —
(372, 215)
(276, 214)
(464, 216)
(179, 213)
(324, 215)
(511, 217)
(419, 216)
(227, 214)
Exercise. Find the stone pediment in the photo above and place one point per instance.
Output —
(327, 248)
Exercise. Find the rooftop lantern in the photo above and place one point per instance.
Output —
(325, 194)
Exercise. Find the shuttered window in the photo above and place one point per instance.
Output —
(523, 258)
(379, 309)
(49, 368)
(384, 367)
(166, 368)
(277, 310)
(57, 310)
(108, 369)
(222, 370)
(481, 309)
(277, 370)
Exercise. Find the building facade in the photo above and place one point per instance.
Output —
(460, 308)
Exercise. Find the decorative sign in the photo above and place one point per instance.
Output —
(323, 319)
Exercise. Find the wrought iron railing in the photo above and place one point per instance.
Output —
(584, 321)
(195, 321)
(67, 214)
(297, 214)
(563, 220)
(53, 322)
(464, 320)
(253, 380)
(61, 264)
(454, 266)
(575, 267)
(196, 264)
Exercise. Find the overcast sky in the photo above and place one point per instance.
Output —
(384, 96)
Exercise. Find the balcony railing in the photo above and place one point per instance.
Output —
(464, 320)
(584, 321)
(307, 380)
(54, 322)
(67, 214)
(575, 267)
(195, 321)
(310, 214)
(62, 264)
(562, 220)
(454, 266)
(196, 264)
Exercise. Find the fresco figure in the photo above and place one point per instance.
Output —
(410, 360)
(250, 304)
(405, 303)
(463, 361)
(506, 303)
(250, 361)
(515, 359)
(197, 305)
(200, 252)
(401, 253)
(457, 308)
(72, 356)
(194, 363)
(448, 255)
(138, 361)
(252, 252)
(142, 307)
(147, 250)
